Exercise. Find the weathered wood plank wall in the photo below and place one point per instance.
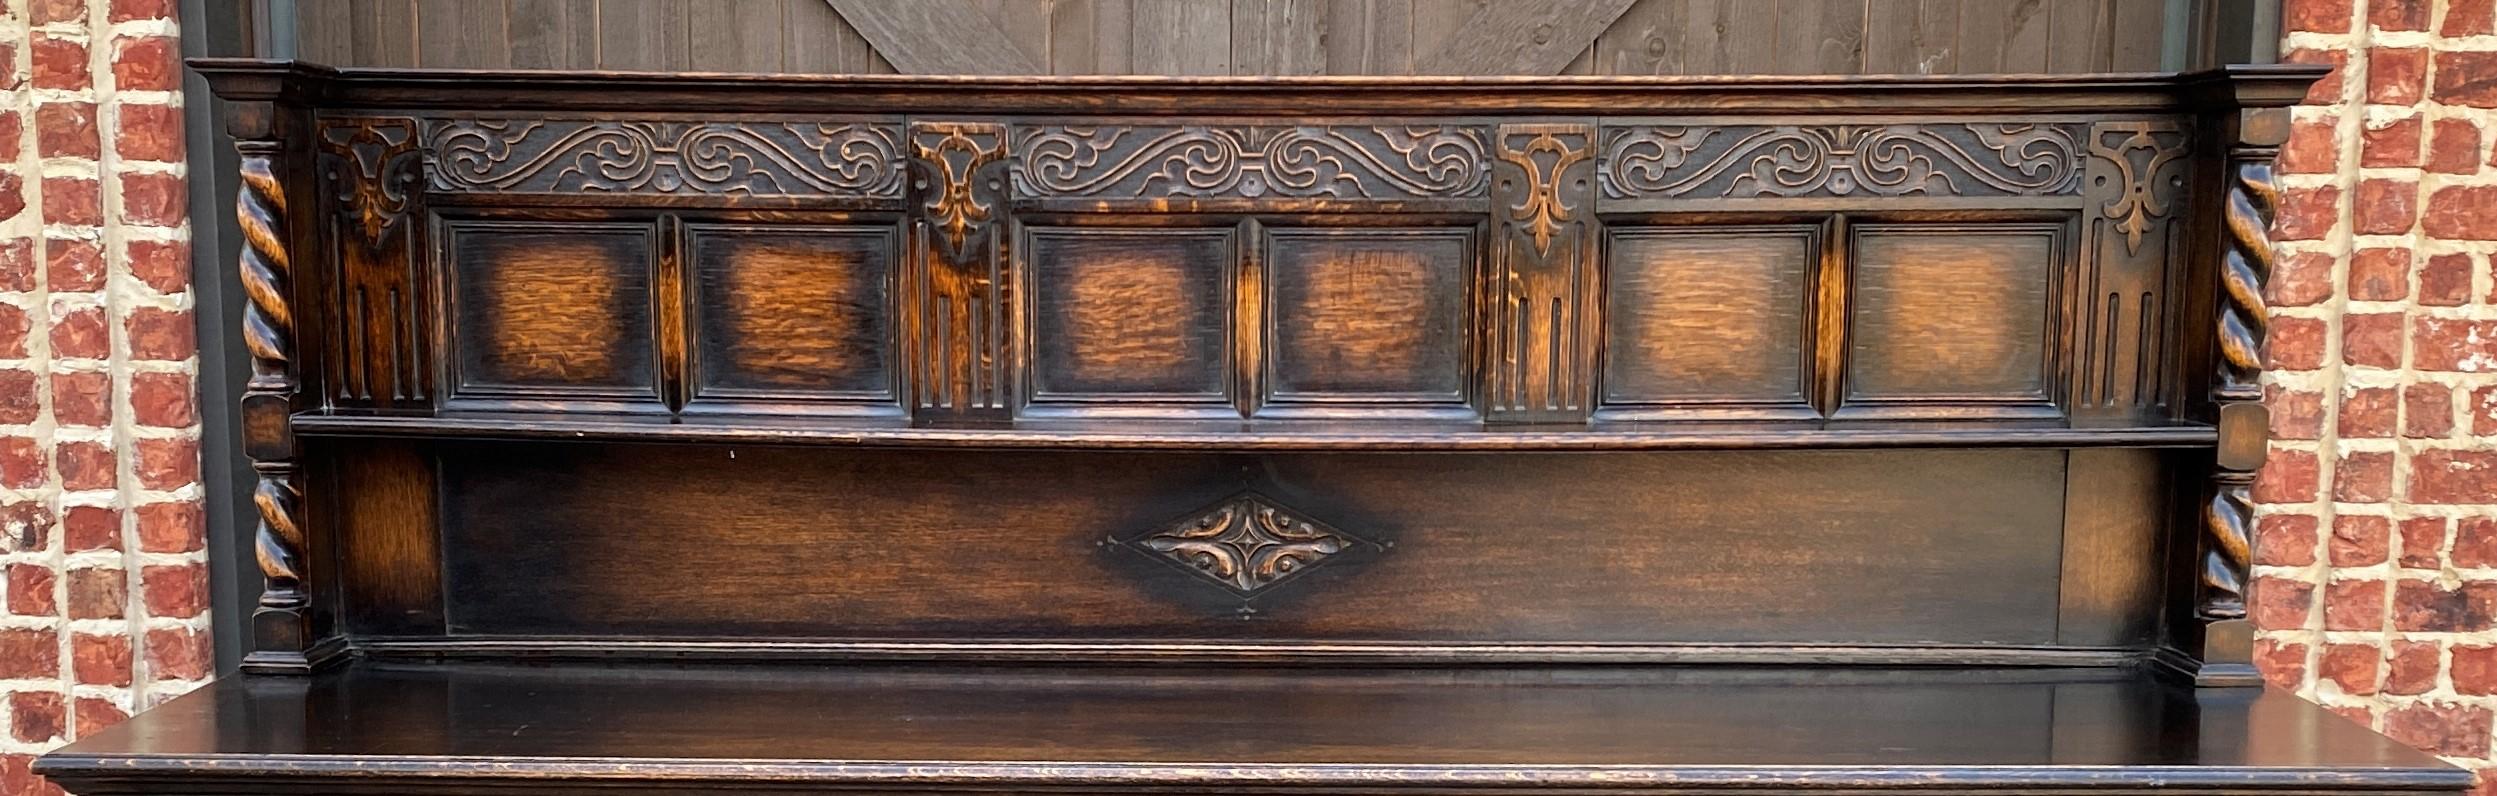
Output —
(1246, 37)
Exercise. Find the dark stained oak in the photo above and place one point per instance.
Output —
(1951, 318)
(559, 307)
(1137, 312)
(862, 545)
(793, 314)
(1366, 314)
(659, 433)
(1710, 318)
(531, 729)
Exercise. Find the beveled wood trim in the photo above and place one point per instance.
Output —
(465, 774)
(1415, 435)
(409, 89)
(458, 647)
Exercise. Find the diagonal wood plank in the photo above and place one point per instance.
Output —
(937, 37)
(1522, 37)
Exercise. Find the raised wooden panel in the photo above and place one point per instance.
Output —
(1131, 315)
(1622, 548)
(382, 500)
(2110, 572)
(553, 310)
(1952, 320)
(1709, 321)
(801, 315)
(1367, 316)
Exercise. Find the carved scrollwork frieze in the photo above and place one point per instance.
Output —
(1250, 161)
(1756, 161)
(753, 158)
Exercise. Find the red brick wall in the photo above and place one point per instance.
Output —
(104, 606)
(2376, 543)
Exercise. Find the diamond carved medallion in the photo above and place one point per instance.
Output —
(1246, 543)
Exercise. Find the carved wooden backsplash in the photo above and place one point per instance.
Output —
(1280, 292)
(1546, 271)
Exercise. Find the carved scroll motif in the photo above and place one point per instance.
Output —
(1246, 544)
(1344, 162)
(731, 158)
(958, 196)
(2147, 160)
(372, 166)
(1667, 161)
(1541, 321)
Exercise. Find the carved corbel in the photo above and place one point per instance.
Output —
(962, 365)
(1541, 313)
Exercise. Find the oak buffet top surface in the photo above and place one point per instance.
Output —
(1589, 726)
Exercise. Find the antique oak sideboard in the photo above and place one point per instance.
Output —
(1317, 435)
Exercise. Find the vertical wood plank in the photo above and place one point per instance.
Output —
(1369, 37)
(1091, 37)
(1584, 64)
(1522, 37)
(554, 34)
(2078, 40)
(735, 37)
(939, 37)
(1936, 42)
(385, 33)
(462, 34)
(1277, 37)
(815, 40)
(1646, 40)
(1890, 37)
(1250, 38)
(1750, 35)
(1434, 21)
(1826, 36)
(1981, 28)
(1182, 37)
(643, 34)
(1026, 23)
(1796, 30)
(2025, 39)
(1703, 40)
(2133, 34)
(325, 33)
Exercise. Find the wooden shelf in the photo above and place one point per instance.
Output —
(1290, 435)
(516, 728)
